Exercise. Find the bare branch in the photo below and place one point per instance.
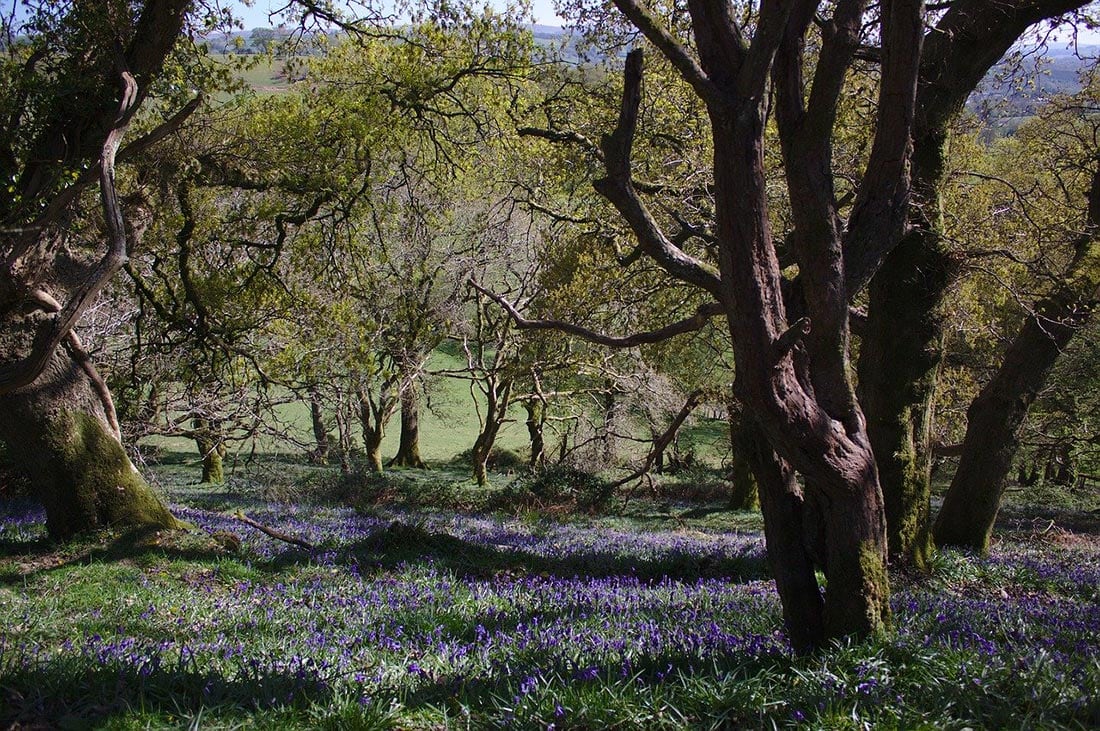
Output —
(660, 444)
(618, 188)
(691, 324)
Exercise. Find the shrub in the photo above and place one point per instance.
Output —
(561, 485)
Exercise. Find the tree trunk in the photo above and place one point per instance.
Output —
(373, 419)
(783, 506)
(60, 428)
(319, 455)
(993, 427)
(536, 420)
(899, 361)
(408, 450)
(211, 449)
(499, 398)
(746, 493)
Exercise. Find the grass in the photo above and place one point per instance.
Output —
(407, 614)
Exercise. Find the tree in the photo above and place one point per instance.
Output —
(75, 87)
(902, 343)
(996, 416)
(792, 373)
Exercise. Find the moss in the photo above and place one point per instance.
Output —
(876, 581)
(94, 485)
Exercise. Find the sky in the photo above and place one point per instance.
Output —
(257, 15)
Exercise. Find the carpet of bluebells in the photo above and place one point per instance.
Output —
(428, 619)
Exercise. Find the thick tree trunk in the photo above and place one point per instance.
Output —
(783, 506)
(408, 450)
(59, 431)
(319, 455)
(900, 353)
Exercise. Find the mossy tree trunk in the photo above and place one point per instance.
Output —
(745, 494)
(60, 431)
(211, 445)
(899, 363)
(408, 449)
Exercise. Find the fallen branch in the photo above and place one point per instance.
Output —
(277, 535)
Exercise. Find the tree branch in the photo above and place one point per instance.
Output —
(660, 444)
(56, 329)
(690, 324)
(668, 45)
(618, 188)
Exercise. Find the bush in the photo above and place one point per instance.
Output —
(562, 485)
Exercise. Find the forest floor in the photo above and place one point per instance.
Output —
(428, 606)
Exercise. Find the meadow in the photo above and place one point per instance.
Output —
(406, 612)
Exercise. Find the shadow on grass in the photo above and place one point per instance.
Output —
(84, 691)
(402, 543)
(389, 547)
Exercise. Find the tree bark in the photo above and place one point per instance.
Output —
(211, 446)
(374, 416)
(902, 348)
(783, 505)
(408, 450)
(899, 361)
(59, 431)
(319, 455)
(498, 396)
(536, 420)
(743, 442)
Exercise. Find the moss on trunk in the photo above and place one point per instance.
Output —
(87, 482)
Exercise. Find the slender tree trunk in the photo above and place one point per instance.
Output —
(408, 450)
(373, 418)
(319, 455)
(995, 417)
(499, 398)
(536, 420)
(993, 427)
(60, 431)
(211, 446)
(746, 493)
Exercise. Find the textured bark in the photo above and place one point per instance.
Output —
(57, 430)
(745, 494)
(408, 449)
(536, 421)
(55, 411)
(783, 506)
(899, 365)
(902, 347)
